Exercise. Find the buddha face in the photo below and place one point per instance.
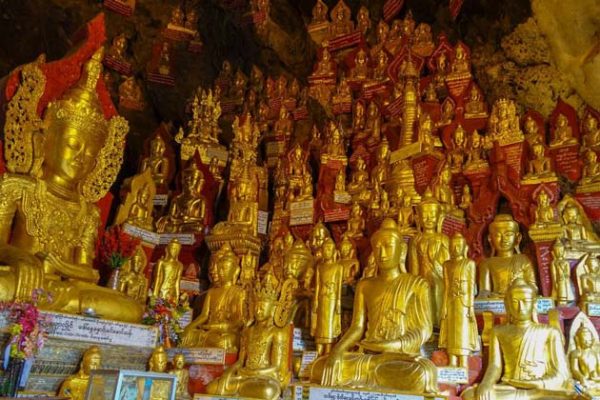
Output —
(590, 124)
(138, 261)
(457, 246)
(584, 338)
(156, 148)
(346, 249)
(382, 32)
(561, 121)
(530, 126)
(173, 249)
(459, 136)
(264, 309)
(520, 303)
(227, 269)
(91, 362)
(504, 235)
(591, 157)
(192, 181)
(571, 215)
(70, 155)
(476, 141)
(429, 215)
(386, 249)
(543, 198)
(558, 250)
(179, 361)
(158, 362)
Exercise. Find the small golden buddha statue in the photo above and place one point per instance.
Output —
(319, 13)
(563, 134)
(423, 40)
(164, 59)
(132, 280)
(317, 237)
(591, 171)
(158, 363)
(381, 170)
(334, 148)
(177, 17)
(460, 65)
(140, 213)
(475, 106)
(75, 386)
(458, 327)
(591, 132)
(223, 311)
(466, 200)
(504, 123)
(262, 369)
(391, 321)
(457, 154)
(496, 273)
(532, 131)
(443, 192)
(341, 22)
(361, 70)
(187, 211)
(356, 222)
(584, 358)
(540, 166)
(360, 179)
(577, 228)
(363, 20)
(429, 250)
(118, 48)
(284, 126)
(560, 269)
(167, 273)
(528, 359)
(381, 64)
(476, 160)
(306, 191)
(340, 182)
(349, 261)
(343, 92)
(447, 113)
(325, 66)
(130, 94)
(55, 191)
(326, 306)
(545, 218)
(183, 377)
(406, 218)
(157, 161)
(429, 141)
(588, 276)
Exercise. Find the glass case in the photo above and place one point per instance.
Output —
(123, 384)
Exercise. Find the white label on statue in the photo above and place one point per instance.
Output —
(263, 220)
(307, 358)
(300, 343)
(186, 239)
(452, 375)
(323, 393)
(593, 309)
(199, 355)
(84, 329)
(161, 199)
(542, 305)
(186, 319)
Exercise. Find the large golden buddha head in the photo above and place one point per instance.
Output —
(504, 234)
(520, 301)
(386, 245)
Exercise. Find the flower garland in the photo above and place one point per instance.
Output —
(116, 247)
(166, 315)
(28, 329)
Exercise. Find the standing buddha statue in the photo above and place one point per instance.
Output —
(157, 162)
(183, 377)
(48, 217)
(560, 271)
(167, 273)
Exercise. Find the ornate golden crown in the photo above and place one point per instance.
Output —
(267, 288)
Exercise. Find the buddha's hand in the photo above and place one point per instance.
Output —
(333, 370)
(68, 270)
(485, 392)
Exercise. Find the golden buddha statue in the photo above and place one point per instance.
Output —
(361, 70)
(223, 312)
(317, 237)
(157, 161)
(356, 222)
(429, 141)
(577, 228)
(588, 279)
(238, 89)
(383, 30)
(140, 212)
(563, 134)
(458, 327)
(381, 170)
(539, 168)
(158, 363)
(429, 250)
(447, 113)
(349, 261)
(284, 126)
(167, 273)
(183, 377)
(381, 64)
(334, 148)
(363, 20)
(591, 132)
(475, 106)
(132, 280)
(164, 59)
(187, 211)
(590, 174)
(391, 321)
(118, 48)
(457, 154)
(48, 219)
(560, 270)
(75, 386)
(466, 199)
(341, 22)
(319, 12)
(262, 369)
(460, 65)
(422, 43)
(130, 94)
(326, 305)
(406, 218)
(527, 359)
(496, 273)
(584, 357)
(343, 92)
(359, 182)
(177, 17)
(476, 160)
(340, 182)
(503, 124)
(545, 222)
(325, 66)
(532, 131)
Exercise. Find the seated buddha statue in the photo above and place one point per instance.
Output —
(563, 134)
(132, 280)
(334, 148)
(222, 316)
(159, 389)
(391, 321)
(187, 211)
(380, 68)
(130, 94)
(284, 126)
(475, 106)
(157, 162)
(588, 281)
(341, 22)
(183, 377)
(262, 369)
(423, 44)
(118, 48)
(460, 64)
(527, 359)
(476, 158)
(591, 169)
(75, 386)
(343, 92)
(496, 273)
(326, 66)
(363, 20)
(591, 132)
(361, 70)
(584, 359)
(577, 228)
(140, 212)
(544, 212)
(356, 222)
(540, 166)
(443, 192)
(359, 179)
(48, 219)
(164, 59)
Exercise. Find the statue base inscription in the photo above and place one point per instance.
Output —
(308, 392)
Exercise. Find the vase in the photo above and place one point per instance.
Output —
(12, 376)
(113, 280)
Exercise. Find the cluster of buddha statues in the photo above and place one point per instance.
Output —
(380, 231)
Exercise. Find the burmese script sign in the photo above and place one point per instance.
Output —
(84, 329)
(543, 305)
(326, 393)
(199, 355)
(452, 375)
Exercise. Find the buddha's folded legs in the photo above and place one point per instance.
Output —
(383, 371)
